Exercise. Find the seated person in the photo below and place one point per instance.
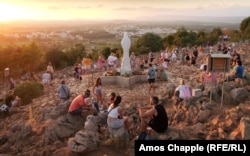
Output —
(210, 77)
(11, 100)
(81, 104)
(203, 69)
(207, 77)
(237, 71)
(34, 77)
(115, 115)
(154, 116)
(182, 92)
(111, 98)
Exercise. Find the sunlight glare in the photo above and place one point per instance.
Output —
(9, 12)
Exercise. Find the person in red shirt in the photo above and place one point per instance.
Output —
(80, 104)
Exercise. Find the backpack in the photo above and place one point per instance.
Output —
(143, 136)
(151, 73)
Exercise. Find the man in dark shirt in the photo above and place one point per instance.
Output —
(154, 116)
(11, 100)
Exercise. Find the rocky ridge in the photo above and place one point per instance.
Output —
(43, 127)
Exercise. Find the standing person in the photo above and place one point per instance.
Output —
(111, 61)
(50, 68)
(133, 61)
(100, 63)
(115, 115)
(80, 70)
(46, 79)
(203, 72)
(174, 56)
(116, 61)
(151, 78)
(182, 92)
(195, 52)
(76, 73)
(151, 56)
(154, 116)
(86, 62)
(11, 83)
(81, 104)
(63, 91)
(97, 90)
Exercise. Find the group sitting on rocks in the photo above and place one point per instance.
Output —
(94, 112)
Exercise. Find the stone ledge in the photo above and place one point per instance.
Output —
(124, 81)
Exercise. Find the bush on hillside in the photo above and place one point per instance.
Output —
(28, 90)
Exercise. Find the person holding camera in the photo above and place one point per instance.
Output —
(81, 104)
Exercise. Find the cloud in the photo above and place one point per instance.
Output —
(64, 7)
(99, 6)
(124, 9)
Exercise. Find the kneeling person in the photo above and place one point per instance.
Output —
(80, 104)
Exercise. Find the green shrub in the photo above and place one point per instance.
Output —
(28, 90)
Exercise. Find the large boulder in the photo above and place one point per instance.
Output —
(239, 95)
(64, 127)
(87, 139)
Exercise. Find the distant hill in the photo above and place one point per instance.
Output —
(196, 22)
(236, 19)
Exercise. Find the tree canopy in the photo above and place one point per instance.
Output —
(148, 42)
(245, 28)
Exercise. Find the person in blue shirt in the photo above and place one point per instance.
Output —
(237, 73)
(64, 91)
(151, 77)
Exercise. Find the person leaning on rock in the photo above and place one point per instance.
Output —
(81, 104)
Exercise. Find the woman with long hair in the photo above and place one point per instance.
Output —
(115, 115)
(97, 90)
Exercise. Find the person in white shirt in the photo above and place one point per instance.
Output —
(50, 69)
(167, 56)
(46, 80)
(115, 118)
(174, 56)
(182, 92)
(111, 61)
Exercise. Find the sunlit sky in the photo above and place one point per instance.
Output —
(119, 9)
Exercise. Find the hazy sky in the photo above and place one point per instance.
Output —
(119, 9)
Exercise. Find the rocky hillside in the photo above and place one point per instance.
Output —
(44, 128)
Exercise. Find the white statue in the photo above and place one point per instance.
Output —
(125, 66)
